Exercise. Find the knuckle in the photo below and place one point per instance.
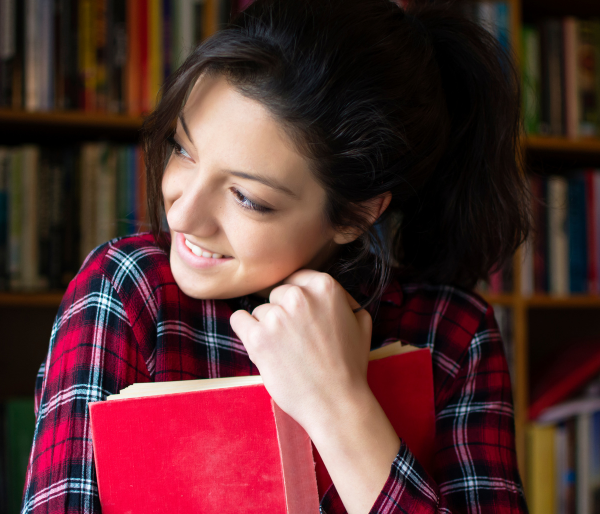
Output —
(295, 296)
(325, 283)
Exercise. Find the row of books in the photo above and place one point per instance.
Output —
(563, 254)
(17, 424)
(561, 85)
(564, 458)
(58, 204)
(98, 55)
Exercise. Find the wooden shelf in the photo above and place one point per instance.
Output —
(70, 119)
(561, 144)
(46, 299)
(560, 302)
(499, 299)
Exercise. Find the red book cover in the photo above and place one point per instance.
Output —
(591, 225)
(215, 450)
(202, 451)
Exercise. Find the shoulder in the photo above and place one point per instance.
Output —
(444, 318)
(129, 260)
(135, 267)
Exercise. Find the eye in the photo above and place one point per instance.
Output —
(246, 203)
(177, 148)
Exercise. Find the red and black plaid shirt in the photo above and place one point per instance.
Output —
(123, 319)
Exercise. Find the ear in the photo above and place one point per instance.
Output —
(375, 207)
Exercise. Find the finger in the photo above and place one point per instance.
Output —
(302, 277)
(278, 293)
(260, 311)
(241, 322)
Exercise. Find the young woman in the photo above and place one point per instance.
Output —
(336, 175)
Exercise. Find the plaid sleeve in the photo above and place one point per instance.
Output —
(475, 468)
(92, 353)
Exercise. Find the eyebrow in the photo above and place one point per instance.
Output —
(259, 178)
(185, 128)
(263, 180)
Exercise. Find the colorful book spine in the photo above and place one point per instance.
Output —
(576, 216)
(558, 236)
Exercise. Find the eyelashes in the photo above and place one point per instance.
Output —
(243, 201)
(246, 203)
(177, 148)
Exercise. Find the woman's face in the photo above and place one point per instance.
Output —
(236, 187)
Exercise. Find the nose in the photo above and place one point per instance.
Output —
(192, 210)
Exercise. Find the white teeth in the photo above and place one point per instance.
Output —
(196, 250)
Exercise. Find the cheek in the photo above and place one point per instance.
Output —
(279, 248)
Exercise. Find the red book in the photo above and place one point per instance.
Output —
(216, 449)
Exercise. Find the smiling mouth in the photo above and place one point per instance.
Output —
(196, 250)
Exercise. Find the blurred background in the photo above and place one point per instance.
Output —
(77, 78)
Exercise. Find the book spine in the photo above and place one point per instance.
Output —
(155, 47)
(577, 234)
(47, 49)
(71, 188)
(44, 200)
(4, 171)
(118, 56)
(531, 79)
(586, 80)
(122, 222)
(31, 57)
(541, 468)
(106, 195)
(15, 225)
(56, 232)
(570, 48)
(538, 187)
(555, 77)
(18, 68)
(87, 55)
(132, 173)
(592, 232)
(558, 236)
(29, 244)
(596, 203)
(583, 501)
(20, 426)
(8, 48)
(100, 32)
(133, 70)
(167, 38)
(89, 157)
(144, 55)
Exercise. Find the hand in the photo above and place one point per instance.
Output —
(310, 347)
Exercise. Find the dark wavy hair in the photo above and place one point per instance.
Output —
(422, 103)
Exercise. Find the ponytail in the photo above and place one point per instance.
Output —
(473, 211)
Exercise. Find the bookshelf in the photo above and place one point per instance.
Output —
(531, 314)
